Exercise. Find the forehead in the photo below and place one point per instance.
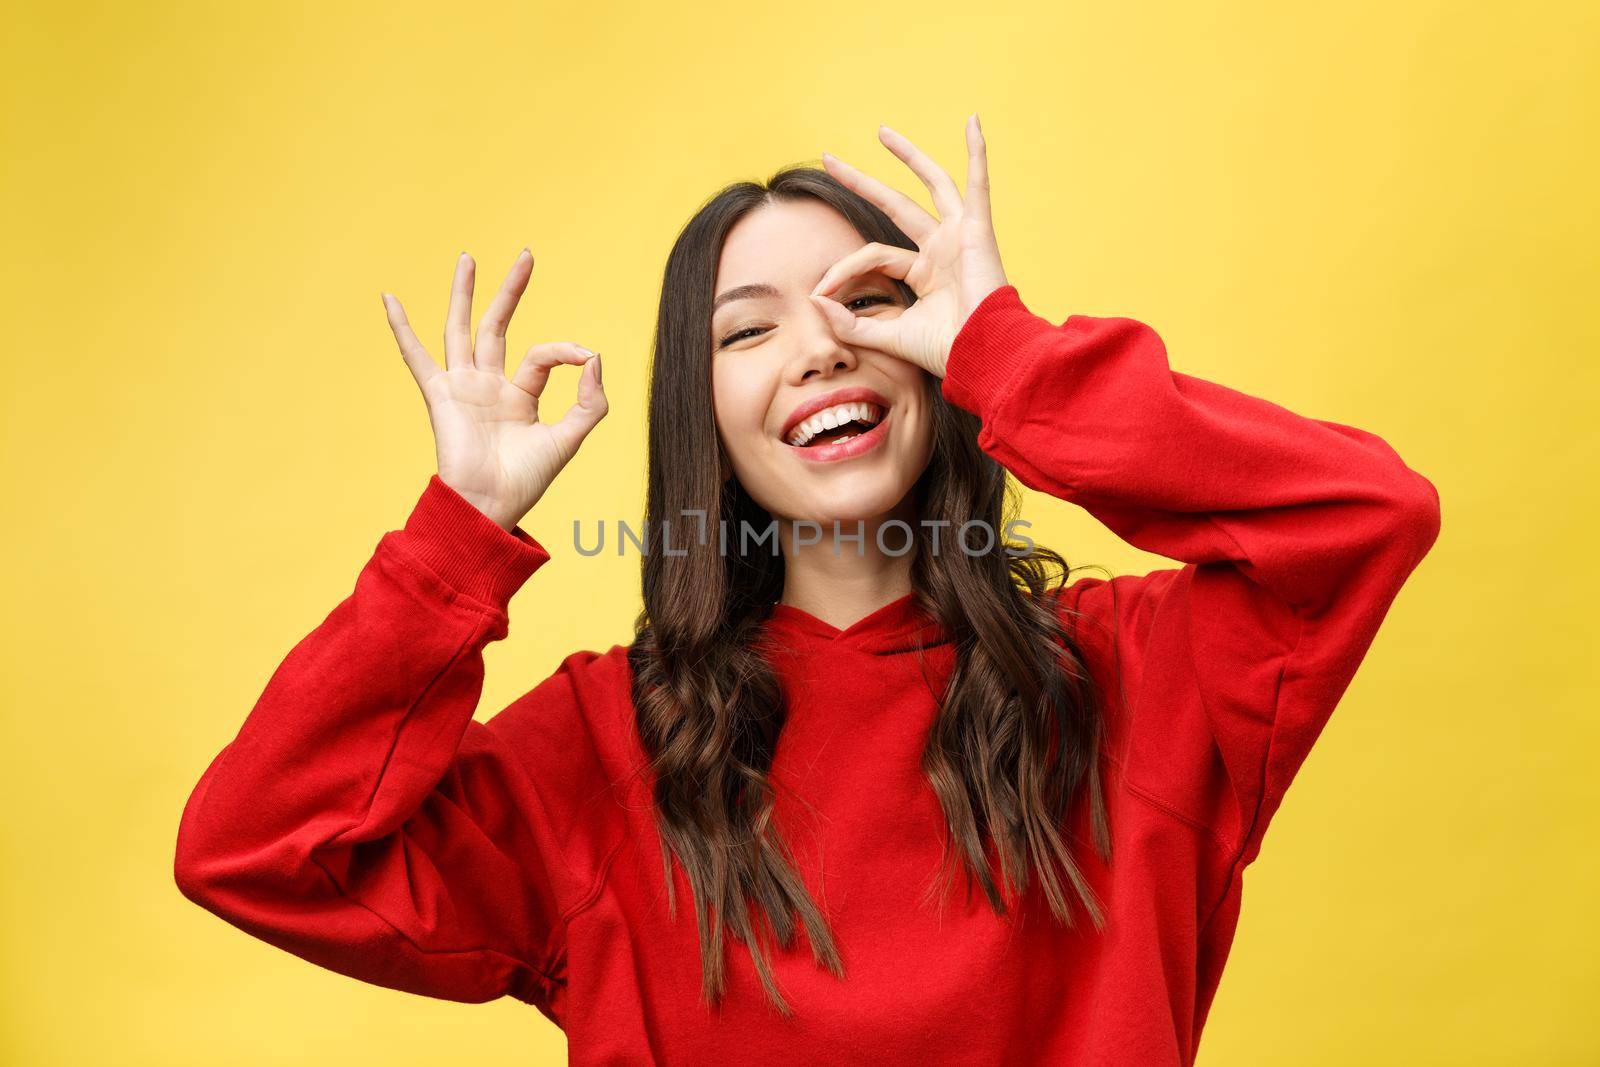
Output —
(787, 243)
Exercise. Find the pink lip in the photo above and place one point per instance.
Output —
(827, 400)
(855, 446)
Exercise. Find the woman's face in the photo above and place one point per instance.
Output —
(814, 428)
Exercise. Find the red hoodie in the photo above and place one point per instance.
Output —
(363, 820)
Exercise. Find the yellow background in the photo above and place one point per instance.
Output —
(1382, 215)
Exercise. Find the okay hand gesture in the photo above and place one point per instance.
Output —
(956, 263)
(491, 447)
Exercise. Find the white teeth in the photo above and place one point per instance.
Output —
(833, 418)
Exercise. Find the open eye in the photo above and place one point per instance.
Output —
(866, 300)
(859, 303)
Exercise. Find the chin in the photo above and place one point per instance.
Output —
(851, 499)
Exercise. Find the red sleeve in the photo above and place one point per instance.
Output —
(1295, 533)
(361, 819)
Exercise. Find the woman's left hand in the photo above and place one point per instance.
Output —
(956, 263)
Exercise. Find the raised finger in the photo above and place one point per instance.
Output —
(893, 261)
(535, 369)
(489, 351)
(421, 364)
(913, 220)
(946, 197)
(458, 320)
(977, 171)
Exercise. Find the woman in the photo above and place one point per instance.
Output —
(847, 680)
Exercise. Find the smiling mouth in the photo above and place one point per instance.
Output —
(836, 424)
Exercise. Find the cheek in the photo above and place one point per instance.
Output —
(739, 404)
(920, 440)
(914, 382)
(925, 430)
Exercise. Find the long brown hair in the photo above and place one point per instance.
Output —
(1016, 744)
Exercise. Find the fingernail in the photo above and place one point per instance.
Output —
(585, 351)
(597, 368)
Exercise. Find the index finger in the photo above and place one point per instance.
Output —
(541, 359)
(892, 260)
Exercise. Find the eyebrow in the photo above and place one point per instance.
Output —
(745, 292)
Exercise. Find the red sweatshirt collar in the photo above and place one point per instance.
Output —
(901, 625)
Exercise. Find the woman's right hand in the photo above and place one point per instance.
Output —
(492, 448)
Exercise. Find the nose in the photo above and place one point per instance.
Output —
(818, 351)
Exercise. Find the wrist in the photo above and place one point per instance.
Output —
(469, 552)
(492, 508)
(989, 350)
(973, 296)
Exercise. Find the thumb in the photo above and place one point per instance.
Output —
(586, 412)
(880, 334)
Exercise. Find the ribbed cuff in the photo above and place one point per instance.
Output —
(469, 551)
(988, 351)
